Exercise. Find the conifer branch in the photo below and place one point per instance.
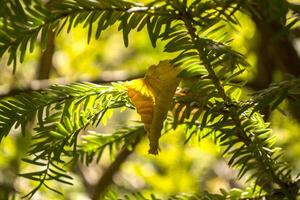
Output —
(208, 104)
(264, 160)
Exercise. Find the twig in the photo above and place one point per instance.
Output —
(107, 177)
(39, 85)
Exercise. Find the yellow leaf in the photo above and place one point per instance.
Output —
(143, 99)
(153, 98)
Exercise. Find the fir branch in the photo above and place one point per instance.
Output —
(16, 34)
(269, 99)
(262, 156)
(22, 108)
(62, 112)
(93, 144)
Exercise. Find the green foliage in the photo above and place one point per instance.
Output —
(138, 196)
(208, 103)
(270, 98)
(62, 112)
(94, 144)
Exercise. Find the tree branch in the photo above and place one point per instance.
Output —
(45, 65)
(107, 177)
(242, 135)
(39, 85)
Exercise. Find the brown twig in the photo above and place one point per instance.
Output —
(39, 85)
(107, 177)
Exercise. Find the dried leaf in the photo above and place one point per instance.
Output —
(153, 98)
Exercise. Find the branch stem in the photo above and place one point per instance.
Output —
(107, 177)
(266, 164)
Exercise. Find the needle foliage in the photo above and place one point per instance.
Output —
(207, 104)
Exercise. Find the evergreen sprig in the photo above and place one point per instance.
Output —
(36, 19)
(269, 99)
(245, 135)
(234, 194)
(62, 112)
(111, 195)
(93, 144)
(208, 103)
